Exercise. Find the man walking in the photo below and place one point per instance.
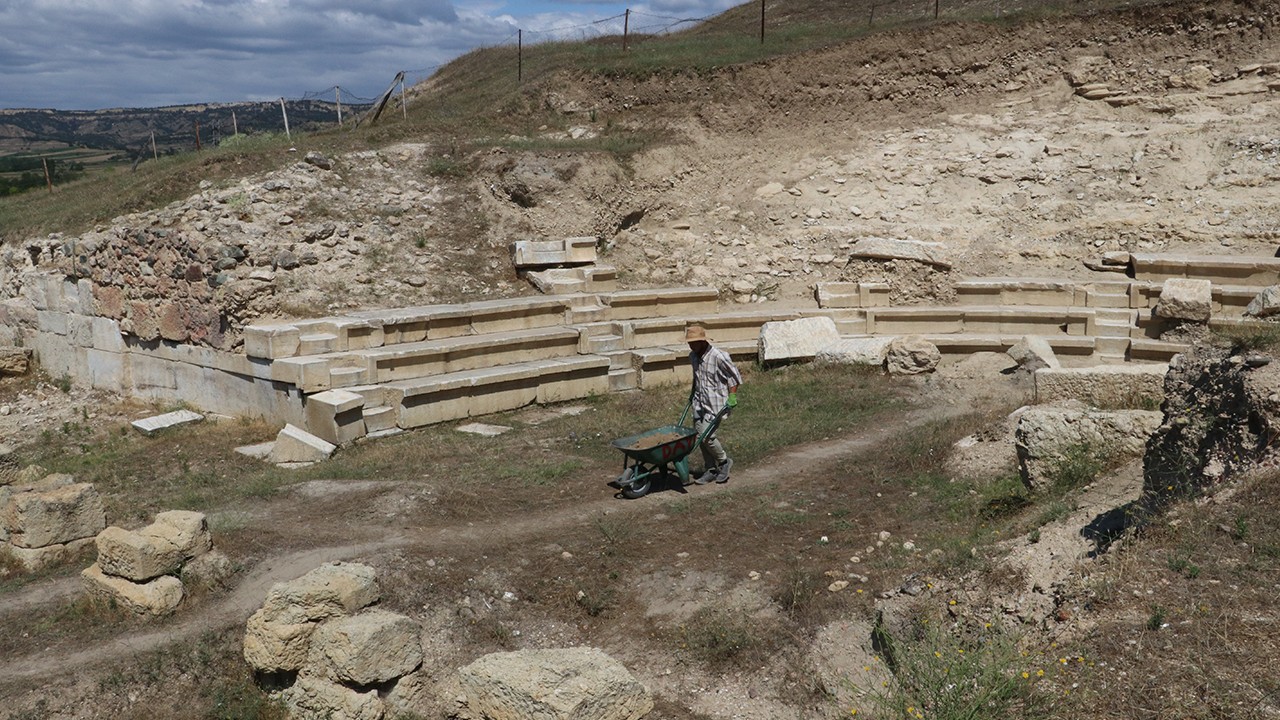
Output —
(715, 388)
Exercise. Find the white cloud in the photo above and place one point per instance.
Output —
(84, 54)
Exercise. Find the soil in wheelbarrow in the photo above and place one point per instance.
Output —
(653, 441)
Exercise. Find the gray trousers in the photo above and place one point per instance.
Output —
(712, 451)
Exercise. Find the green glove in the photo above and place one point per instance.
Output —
(733, 400)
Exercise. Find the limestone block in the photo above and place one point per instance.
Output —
(929, 253)
(186, 529)
(105, 369)
(336, 416)
(1105, 386)
(378, 419)
(1266, 304)
(14, 361)
(36, 559)
(1047, 437)
(374, 646)
(316, 699)
(796, 339)
(136, 556)
(553, 685)
(1186, 299)
(295, 445)
(52, 517)
(855, 351)
(408, 695)
(276, 646)
(1034, 353)
(912, 355)
(152, 425)
(157, 597)
(206, 571)
(331, 590)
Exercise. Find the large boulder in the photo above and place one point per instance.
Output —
(160, 596)
(1185, 300)
(1221, 419)
(1034, 353)
(373, 646)
(1049, 439)
(567, 684)
(318, 699)
(271, 647)
(912, 355)
(331, 590)
(52, 517)
(786, 340)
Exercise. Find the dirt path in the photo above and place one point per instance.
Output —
(235, 608)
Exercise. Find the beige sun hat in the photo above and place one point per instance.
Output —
(695, 333)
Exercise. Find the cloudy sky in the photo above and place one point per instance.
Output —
(91, 54)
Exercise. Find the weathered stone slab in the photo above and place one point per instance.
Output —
(136, 556)
(1105, 386)
(152, 425)
(295, 445)
(483, 429)
(1034, 353)
(856, 351)
(1050, 438)
(1186, 299)
(373, 646)
(563, 684)
(878, 248)
(52, 517)
(36, 559)
(912, 355)
(796, 339)
(157, 597)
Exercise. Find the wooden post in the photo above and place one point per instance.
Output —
(197, 136)
(626, 28)
(47, 179)
(155, 155)
(285, 112)
(872, 20)
(376, 112)
(404, 100)
(519, 55)
(337, 93)
(235, 126)
(761, 22)
(937, 4)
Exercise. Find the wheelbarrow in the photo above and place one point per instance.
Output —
(658, 453)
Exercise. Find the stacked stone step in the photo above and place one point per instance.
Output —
(325, 650)
(146, 571)
(45, 518)
(561, 267)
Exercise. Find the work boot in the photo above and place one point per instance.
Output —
(722, 472)
(705, 476)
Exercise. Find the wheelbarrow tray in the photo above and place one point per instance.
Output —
(660, 445)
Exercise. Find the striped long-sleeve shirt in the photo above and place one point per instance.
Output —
(713, 374)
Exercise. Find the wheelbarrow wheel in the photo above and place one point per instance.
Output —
(633, 489)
